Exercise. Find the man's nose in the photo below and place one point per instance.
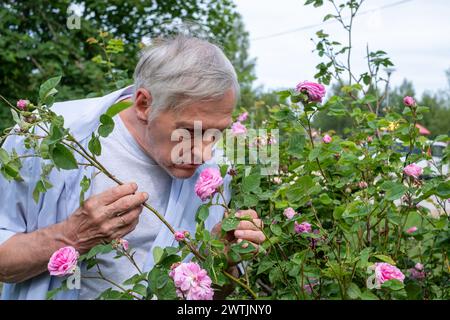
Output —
(202, 152)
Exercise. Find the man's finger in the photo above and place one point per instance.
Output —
(113, 194)
(126, 203)
(250, 225)
(249, 212)
(250, 235)
(126, 220)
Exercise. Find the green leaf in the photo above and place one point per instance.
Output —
(443, 189)
(276, 229)
(48, 88)
(118, 107)
(140, 289)
(202, 213)
(4, 156)
(367, 295)
(325, 199)
(94, 145)
(353, 291)
(230, 223)
(385, 258)
(251, 183)
(157, 254)
(393, 284)
(394, 190)
(107, 125)
(63, 158)
(264, 266)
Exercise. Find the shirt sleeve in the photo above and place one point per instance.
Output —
(14, 195)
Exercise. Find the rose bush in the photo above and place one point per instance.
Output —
(343, 215)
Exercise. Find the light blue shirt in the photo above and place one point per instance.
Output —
(19, 213)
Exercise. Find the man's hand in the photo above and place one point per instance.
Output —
(249, 230)
(105, 217)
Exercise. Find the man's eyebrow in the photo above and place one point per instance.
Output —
(190, 125)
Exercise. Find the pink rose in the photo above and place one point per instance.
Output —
(124, 244)
(191, 281)
(63, 261)
(303, 227)
(242, 117)
(289, 213)
(411, 230)
(208, 183)
(417, 274)
(409, 101)
(327, 139)
(238, 129)
(383, 272)
(369, 139)
(362, 185)
(179, 236)
(22, 104)
(413, 170)
(315, 91)
(418, 266)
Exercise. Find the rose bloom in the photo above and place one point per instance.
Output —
(362, 185)
(242, 117)
(179, 235)
(277, 180)
(383, 272)
(369, 139)
(417, 273)
(208, 183)
(22, 104)
(413, 170)
(191, 281)
(289, 213)
(315, 91)
(303, 227)
(238, 128)
(327, 139)
(409, 101)
(63, 261)
(411, 230)
(124, 244)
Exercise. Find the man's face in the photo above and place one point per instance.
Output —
(175, 141)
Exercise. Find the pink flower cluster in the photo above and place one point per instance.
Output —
(315, 91)
(327, 139)
(303, 227)
(208, 183)
(417, 272)
(413, 170)
(191, 281)
(409, 101)
(289, 213)
(383, 272)
(63, 261)
(237, 128)
(411, 230)
(181, 235)
(22, 104)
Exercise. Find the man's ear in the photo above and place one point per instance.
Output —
(143, 104)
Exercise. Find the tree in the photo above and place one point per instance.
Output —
(39, 44)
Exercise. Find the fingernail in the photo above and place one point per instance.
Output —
(134, 185)
(145, 196)
(238, 214)
(238, 233)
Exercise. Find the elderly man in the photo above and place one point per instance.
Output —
(178, 81)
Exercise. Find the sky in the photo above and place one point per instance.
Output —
(414, 33)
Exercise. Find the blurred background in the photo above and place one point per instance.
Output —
(269, 42)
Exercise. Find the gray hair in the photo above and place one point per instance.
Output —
(184, 69)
